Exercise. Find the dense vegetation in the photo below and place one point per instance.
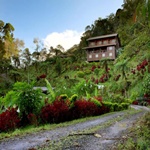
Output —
(71, 81)
(138, 136)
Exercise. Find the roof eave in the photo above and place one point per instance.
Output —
(103, 36)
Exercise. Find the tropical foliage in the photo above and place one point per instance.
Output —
(76, 88)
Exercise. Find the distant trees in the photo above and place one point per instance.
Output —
(56, 51)
(26, 57)
(6, 39)
(131, 22)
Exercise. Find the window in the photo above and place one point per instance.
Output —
(110, 54)
(99, 42)
(92, 43)
(90, 56)
(103, 55)
(96, 55)
(113, 40)
(110, 48)
(105, 42)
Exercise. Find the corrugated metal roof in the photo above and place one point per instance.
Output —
(42, 88)
(102, 36)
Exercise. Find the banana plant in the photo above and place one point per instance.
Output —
(51, 95)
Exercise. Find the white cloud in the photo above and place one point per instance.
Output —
(66, 39)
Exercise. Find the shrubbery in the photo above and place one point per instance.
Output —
(59, 111)
(9, 120)
(33, 110)
(80, 74)
(115, 106)
(56, 112)
(83, 108)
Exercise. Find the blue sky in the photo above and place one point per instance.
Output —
(54, 21)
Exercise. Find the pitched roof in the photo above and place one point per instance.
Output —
(102, 36)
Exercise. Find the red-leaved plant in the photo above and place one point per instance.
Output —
(9, 120)
(56, 112)
(32, 119)
(83, 108)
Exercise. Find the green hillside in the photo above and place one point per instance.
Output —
(126, 77)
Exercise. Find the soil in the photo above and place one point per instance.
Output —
(96, 134)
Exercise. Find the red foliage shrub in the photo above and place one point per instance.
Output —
(76, 68)
(56, 112)
(96, 81)
(145, 63)
(32, 119)
(135, 102)
(133, 71)
(103, 78)
(138, 67)
(9, 120)
(117, 77)
(103, 109)
(142, 65)
(148, 101)
(93, 68)
(59, 111)
(41, 76)
(83, 108)
(146, 95)
(108, 70)
(99, 98)
(46, 113)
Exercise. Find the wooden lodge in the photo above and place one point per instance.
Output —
(104, 46)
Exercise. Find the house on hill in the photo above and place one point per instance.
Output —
(104, 46)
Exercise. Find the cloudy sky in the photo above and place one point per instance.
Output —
(54, 21)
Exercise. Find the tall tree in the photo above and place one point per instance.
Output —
(18, 45)
(102, 27)
(55, 51)
(7, 40)
(26, 57)
(58, 66)
(60, 47)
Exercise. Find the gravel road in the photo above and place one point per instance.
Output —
(101, 140)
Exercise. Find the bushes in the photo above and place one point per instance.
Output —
(80, 74)
(56, 112)
(9, 120)
(115, 106)
(96, 102)
(29, 102)
(59, 111)
(125, 105)
(32, 109)
(83, 108)
(25, 98)
(138, 137)
(87, 72)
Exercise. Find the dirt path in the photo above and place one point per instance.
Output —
(79, 142)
